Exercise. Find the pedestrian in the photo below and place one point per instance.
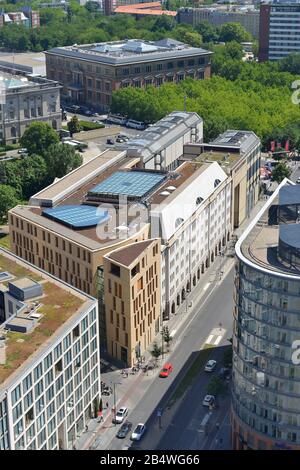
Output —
(86, 428)
(107, 404)
(218, 425)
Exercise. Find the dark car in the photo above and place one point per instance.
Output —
(110, 142)
(124, 430)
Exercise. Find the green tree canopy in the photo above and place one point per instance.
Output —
(60, 160)
(38, 137)
(8, 199)
(280, 172)
(234, 32)
(74, 125)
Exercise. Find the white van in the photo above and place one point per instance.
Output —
(135, 124)
(117, 119)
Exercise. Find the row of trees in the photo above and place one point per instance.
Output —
(240, 95)
(83, 24)
(48, 159)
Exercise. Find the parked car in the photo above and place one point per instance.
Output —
(117, 119)
(123, 136)
(120, 415)
(120, 139)
(74, 108)
(166, 370)
(210, 366)
(208, 400)
(110, 141)
(138, 432)
(124, 430)
(298, 180)
(22, 151)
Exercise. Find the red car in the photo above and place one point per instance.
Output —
(166, 370)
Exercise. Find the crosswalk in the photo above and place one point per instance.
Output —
(215, 336)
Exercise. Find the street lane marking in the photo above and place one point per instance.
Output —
(218, 339)
(206, 286)
(173, 332)
(209, 338)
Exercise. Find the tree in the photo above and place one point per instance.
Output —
(60, 160)
(38, 137)
(234, 32)
(208, 31)
(74, 125)
(290, 63)
(167, 338)
(3, 176)
(8, 199)
(280, 172)
(156, 352)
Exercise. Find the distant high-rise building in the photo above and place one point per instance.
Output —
(279, 30)
(266, 373)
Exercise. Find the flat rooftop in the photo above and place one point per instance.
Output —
(58, 304)
(127, 255)
(129, 51)
(225, 159)
(259, 244)
(153, 187)
(239, 140)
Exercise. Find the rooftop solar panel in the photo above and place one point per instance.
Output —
(129, 183)
(77, 216)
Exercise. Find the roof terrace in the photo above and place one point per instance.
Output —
(58, 304)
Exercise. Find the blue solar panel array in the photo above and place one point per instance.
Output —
(129, 183)
(77, 216)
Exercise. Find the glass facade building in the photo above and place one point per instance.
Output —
(266, 375)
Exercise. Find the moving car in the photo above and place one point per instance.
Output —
(120, 139)
(124, 430)
(138, 432)
(225, 373)
(22, 151)
(110, 141)
(210, 366)
(121, 413)
(166, 370)
(208, 400)
(298, 180)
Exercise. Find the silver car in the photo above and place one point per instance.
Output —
(121, 414)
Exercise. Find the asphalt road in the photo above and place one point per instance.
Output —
(180, 432)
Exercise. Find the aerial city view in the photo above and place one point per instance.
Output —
(150, 226)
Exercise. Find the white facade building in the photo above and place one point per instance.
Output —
(47, 400)
(194, 224)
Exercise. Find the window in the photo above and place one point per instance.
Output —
(16, 394)
(48, 361)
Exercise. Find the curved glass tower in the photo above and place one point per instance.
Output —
(266, 372)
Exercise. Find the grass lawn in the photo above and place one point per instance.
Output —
(5, 241)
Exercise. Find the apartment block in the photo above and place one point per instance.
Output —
(266, 374)
(49, 359)
(132, 299)
(279, 30)
(246, 16)
(25, 99)
(238, 153)
(90, 73)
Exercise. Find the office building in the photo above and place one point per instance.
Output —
(132, 299)
(160, 146)
(192, 215)
(25, 99)
(266, 374)
(218, 16)
(279, 30)
(49, 359)
(90, 73)
(238, 153)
